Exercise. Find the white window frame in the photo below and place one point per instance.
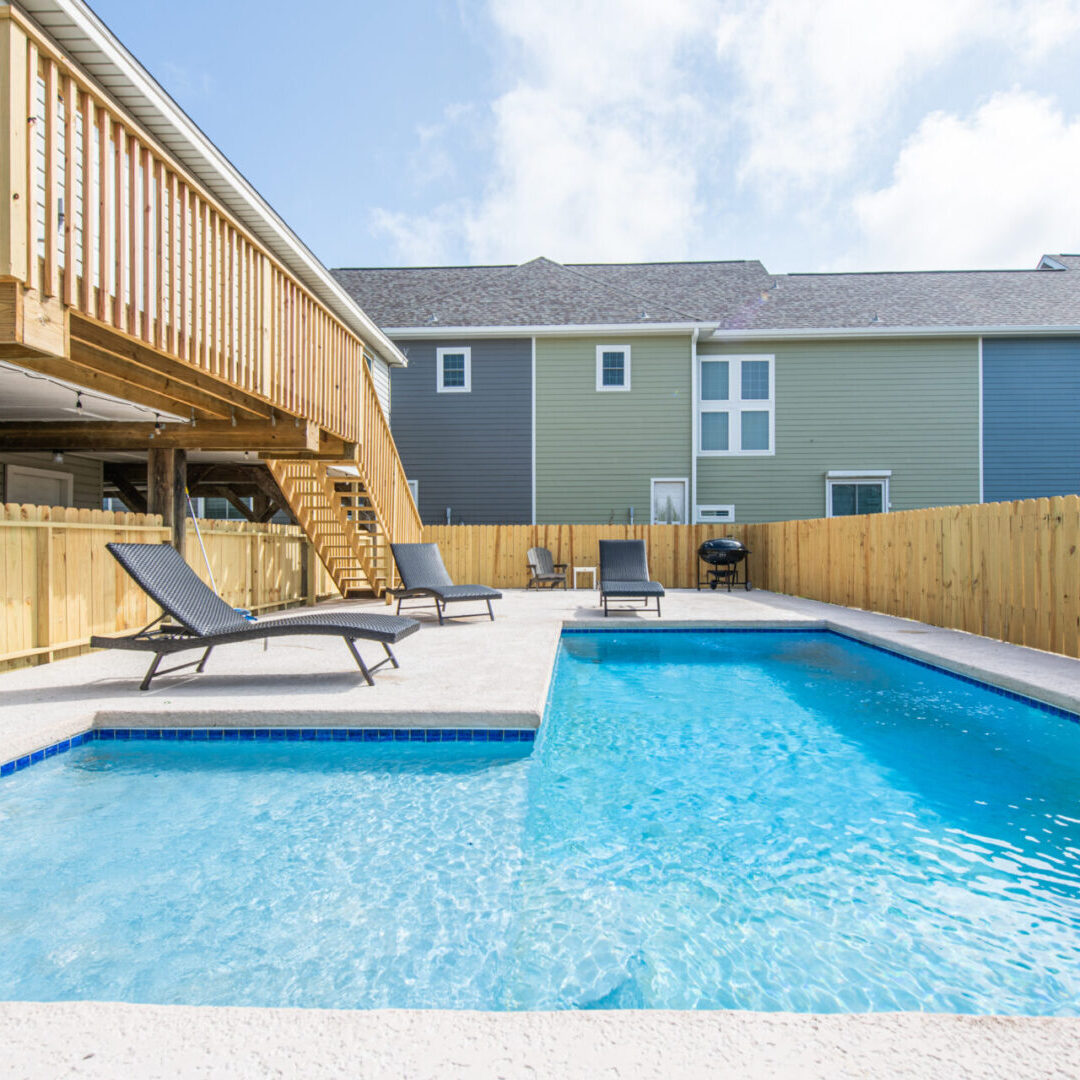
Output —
(684, 480)
(702, 508)
(414, 488)
(734, 405)
(454, 350)
(26, 472)
(600, 350)
(858, 476)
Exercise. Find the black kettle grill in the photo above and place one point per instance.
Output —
(722, 557)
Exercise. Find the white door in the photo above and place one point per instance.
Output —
(669, 501)
(40, 487)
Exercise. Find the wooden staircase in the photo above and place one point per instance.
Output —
(334, 507)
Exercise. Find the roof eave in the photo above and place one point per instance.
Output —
(893, 331)
(547, 330)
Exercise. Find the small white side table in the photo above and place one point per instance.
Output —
(591, 570)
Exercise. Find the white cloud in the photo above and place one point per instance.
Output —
(595, 146)
(994, 190)
(819, 80)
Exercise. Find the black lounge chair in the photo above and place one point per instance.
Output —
(204, 620)
(624, 574)
(544, 571)
(424, 575)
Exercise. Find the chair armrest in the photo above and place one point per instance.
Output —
(561, 566)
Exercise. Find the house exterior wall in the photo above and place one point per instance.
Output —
(87, 487)
(467, 451)
(911, 406)
(1031, 417)
(596, 451)
(380, 377)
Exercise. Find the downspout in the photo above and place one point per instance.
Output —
(694, 420)
(982, 453)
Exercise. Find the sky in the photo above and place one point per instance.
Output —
(814, 136)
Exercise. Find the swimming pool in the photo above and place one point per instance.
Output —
(751, 820)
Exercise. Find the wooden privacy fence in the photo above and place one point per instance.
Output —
(58, 584)
(1005, 570)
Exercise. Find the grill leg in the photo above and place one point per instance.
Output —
(151, 671)
(360, 661)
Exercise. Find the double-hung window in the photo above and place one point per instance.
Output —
(612, 367)
(453, 370)
(737, 414)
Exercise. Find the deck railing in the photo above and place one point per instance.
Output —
(123, 235)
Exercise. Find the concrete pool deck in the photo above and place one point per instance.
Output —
(476, 673)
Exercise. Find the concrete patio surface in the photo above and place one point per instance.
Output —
(474, 673)
(153, 1042)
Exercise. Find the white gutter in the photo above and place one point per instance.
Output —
(893, 331)
(101, 57)
(556, 330)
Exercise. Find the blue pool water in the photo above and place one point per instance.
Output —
(710, 820)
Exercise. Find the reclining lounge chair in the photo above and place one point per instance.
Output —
(205, 621)
(544, 571)
(423, 574)
(624, 574)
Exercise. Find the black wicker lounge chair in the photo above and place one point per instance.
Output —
(424, 575)
(204, 621)
(544, 571)
(624, 574)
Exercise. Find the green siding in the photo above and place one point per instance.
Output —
(909, 406)
(596, 451)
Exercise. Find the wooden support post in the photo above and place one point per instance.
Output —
(15, 131)
(310, 572)
(43, 631)
(166, 481)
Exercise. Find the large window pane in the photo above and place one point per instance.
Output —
(755, 431)
(714, 431)
(453, 369)
(714, 380)
(868, 498)
(755, 380)
(614, 369)
(843, 499)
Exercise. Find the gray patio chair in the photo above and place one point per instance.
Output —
(204, 620)
(543, 570)
(423, 575)
(624, 574)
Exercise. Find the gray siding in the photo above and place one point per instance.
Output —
(86, 472)
(1031, 418)
(470, 452)
(380, 376)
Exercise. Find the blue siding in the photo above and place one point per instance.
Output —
(1031, 418)
(470, 452)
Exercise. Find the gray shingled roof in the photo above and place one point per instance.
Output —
(731, 295)
(537, 293)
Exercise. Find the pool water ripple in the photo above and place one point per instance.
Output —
(754, 821)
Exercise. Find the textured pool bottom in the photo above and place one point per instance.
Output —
(783, 821)
(249, 734)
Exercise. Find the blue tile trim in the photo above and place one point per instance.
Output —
(1023, 699)
(246, 734)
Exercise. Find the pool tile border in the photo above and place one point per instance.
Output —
(275, 734)
(1012, 695)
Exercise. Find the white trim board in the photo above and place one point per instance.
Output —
(552, 330)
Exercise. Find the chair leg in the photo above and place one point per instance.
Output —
(658, 607)
(393, 658)
(439, 609)
(206, 656)
(360, 661)
(151, 671)
(491, 614)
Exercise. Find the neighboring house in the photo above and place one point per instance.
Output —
(720, 392)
